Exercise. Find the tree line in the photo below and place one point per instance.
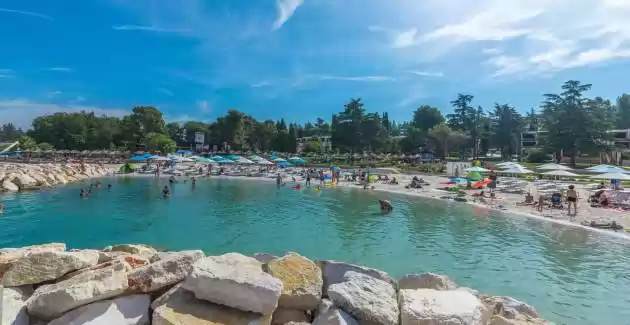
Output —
(574, 124)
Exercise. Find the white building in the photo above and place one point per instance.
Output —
(324, 141)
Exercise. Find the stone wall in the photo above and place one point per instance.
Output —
(137, 285)
(15, 177)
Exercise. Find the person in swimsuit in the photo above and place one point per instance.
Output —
(572, 198)
(82, 193)
(386, 206)
(166, 192)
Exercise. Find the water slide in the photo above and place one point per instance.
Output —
(9, 147)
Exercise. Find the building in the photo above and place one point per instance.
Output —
(532, 139)
(324, 141)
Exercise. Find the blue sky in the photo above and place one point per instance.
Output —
(195, 59)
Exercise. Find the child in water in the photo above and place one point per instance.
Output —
(386, 206)
(166, 192)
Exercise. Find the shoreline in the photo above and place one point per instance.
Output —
(507, 211)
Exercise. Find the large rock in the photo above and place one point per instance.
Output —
(163, 273)
(329, 314)
(14, 305)
(500, 320)
(509, 311)
(128, 310)
(264, 257)
(302, 281)
(433, 307)
(366, 298)
(9, 186)
(8, 256)
(136, 249)
(38, 267)
(335, 271)
(180, 307)
(51, 301)
(426, 281)
(282, 316)
(24, 181)
(236, 281)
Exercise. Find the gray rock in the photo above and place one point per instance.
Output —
(334, 272)
(426, 281)
(181, 307)
(366, 298)
(128, 310)
(8, 256)
(51, 301)
(264, 257)
(433, 307)
(136, 249)
(328, 314)
(510, 307)
(285, 315)
(236, 281)
(13, 311)
(39, 267)
(163, 273)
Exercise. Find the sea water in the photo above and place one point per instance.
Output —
(570, 275)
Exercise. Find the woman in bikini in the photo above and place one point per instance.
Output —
(572, 198)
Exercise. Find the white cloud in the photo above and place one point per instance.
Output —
(522, 36)
(285, 8)
(26, 13)
(413, 95)
(203, 106)
(165, 91)
(427, 73)
(151, 29)
(54, 93)
(21, 111)
(59, 69)
(263, 83)
(6, 73)
(355, 78)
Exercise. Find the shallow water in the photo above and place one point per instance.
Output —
(570, 275)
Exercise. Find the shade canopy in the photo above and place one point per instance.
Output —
(516, 170)
(560, 173)
(260, 160)
(244, 161)
(233, 157)
(506, 164)
(278, 159)
(608, 170)
(617, 176)
(554, 167)
(477, 169)
(142, 157)
(599, 166)
(160, 158)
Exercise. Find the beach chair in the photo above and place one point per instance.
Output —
(556, 201)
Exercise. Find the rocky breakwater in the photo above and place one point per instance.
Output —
(137, 285)
(17, 177)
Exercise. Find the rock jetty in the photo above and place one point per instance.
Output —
(17, 177)
(135, 284)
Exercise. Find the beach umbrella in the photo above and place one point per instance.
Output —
(244, 161)
(160, 158)
(278, 159)
(608, 170)
(516, 170)
(560, 173)
(617, 176)
(233, 157)
(554, 167)
(599, 166)
(476, 169)
(140, 158)
(506, 164)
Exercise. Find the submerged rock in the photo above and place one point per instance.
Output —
(236, 281)
(39, 267)
(181, 307)
(302, 281)
(128, 310)
(163, 273)
(426, 281)
(51, 301)
(368, 299)
(433, 307)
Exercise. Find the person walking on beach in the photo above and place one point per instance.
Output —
(572, 198)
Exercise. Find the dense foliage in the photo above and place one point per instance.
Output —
(573, 124)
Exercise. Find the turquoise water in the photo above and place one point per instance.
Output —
(571, 276)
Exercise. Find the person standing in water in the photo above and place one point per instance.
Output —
(278, 180)
(572, 198)
(166, 192)
(308, 178)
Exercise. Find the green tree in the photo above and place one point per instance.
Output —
(44, 146)
(312, 146)
(8, 132)
(506, 126)
(442, 134)
(426, 117)
(622, 120)
(160, 142)
(27, 143)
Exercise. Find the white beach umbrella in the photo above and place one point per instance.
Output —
(608, 170)
(599, 166)
(516, 170)
(554, 167)
(160, 158)
(244, 161)
(560, 173)
(278, 159)
(506, 164)
(618, 176)
(476, 169)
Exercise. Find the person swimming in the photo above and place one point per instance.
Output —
(386, 206)
(82, 193)
(109, 186)
(166, 192)
(297, 186)
(171, 180)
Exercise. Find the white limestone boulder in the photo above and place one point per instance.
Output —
(329, 314)
(163, 273)
(128, 310)
(509, 311)
(24, 181)
(366, 298)
(53, 300)
(283, 316)
(8, 256)
(14, 305)
(180, 307)
(39, 267)
(7, 185)
(334, 272)
(301, 278)
(136, 249)
(426, 281)
(433, 307)
(236, 281)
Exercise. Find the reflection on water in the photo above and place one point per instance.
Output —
(570, 275)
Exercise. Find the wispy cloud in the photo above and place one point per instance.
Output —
(6, 73)
(413, 95)
(354, 78)
(203, 106)
(26, 13)
(54, 93)
(151, 29)
(405, 38)
(285, 8)
(22, 111)
(263, 83)
(427, 73)
(59, 69)
(165, 91)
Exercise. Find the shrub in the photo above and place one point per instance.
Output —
(538, 156)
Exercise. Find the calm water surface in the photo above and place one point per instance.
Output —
(571, 276)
